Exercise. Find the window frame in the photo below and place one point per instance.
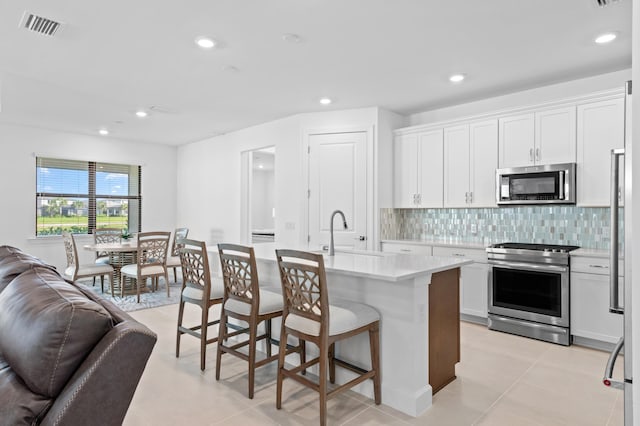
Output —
(92, 196)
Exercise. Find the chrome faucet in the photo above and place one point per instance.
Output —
(332, 250)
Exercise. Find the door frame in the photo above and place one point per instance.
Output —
(372, 215)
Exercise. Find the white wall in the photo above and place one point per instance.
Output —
(19, 145)
(525, 98)
(209, 174)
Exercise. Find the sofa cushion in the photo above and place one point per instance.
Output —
(47, 328)
(19, 405)
(14, 262)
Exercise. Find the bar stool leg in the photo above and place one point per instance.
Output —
(374, 344)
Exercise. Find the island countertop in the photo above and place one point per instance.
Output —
(374, 264)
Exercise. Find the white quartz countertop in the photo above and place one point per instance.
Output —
(374, 264)
(443, 242)
(583, 252)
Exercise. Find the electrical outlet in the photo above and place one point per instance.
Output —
(474, 228)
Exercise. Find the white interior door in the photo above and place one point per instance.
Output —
(338, 181)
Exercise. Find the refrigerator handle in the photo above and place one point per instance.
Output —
(614, 296)
(608, 371)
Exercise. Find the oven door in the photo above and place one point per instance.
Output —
(530, 291)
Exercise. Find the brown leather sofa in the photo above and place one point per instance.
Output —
(66, 357)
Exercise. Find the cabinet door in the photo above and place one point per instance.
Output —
(555, 136)
(600, 129)
(430, 170)
(516, 140)
(474, 280)
(456, 166)
(590, 316)
(405, 170)
(483, 162)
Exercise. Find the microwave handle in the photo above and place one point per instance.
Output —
(561, 188)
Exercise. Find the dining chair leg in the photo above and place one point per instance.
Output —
(253, 332)
(303, 354)
(332, 363)
(280, 375)
(374, 343)
(222, 333)
(179, 333)
(101, 282)
(138, 287)
(203, 336)
(267, 328)
(175, 274)
(166, 281)
(121, 284)
(322, 382)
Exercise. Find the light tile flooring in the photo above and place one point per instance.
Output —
(502, 380)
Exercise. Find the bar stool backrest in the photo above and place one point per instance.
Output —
(240, 274)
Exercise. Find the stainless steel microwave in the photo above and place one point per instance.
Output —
(548, 184)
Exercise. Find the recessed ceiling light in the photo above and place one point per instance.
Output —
(103, 132)
(325, 101)
(141, 114)
(605, 38)
(456, 78)
(260, 166)
(205, 42)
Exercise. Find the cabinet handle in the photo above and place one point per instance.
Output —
(419, 198)
(407, 250)
(530, 154)
(471, 198)
(458, 254)
(599, 266)
(466, 198)
(537, 154)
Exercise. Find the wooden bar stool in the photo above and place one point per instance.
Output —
(244, 300)
(308, 315)
(199, 289)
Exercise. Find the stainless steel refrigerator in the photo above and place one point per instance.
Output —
(619, 293)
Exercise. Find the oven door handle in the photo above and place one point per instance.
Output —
(528, 266)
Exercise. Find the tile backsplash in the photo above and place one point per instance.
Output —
(587, 227)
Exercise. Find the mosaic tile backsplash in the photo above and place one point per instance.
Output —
(587, 227)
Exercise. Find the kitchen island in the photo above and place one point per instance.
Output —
(418, 300)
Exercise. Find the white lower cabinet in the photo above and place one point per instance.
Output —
(590, 316)
(474, 279)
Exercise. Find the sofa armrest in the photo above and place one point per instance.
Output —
(102, 388)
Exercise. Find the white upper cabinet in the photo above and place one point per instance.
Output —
(418, 169)
(405, 170)
(600, 129)
(456, 166)
(555, 136)
(470, 162)
(483, 147)
(516, 140)
(544, 137)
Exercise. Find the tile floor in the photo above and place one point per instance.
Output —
(502, 380)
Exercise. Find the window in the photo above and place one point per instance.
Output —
(80, 196)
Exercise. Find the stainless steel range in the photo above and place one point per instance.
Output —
(529, 290)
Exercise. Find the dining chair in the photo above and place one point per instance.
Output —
(308, 315)
(75, 270)
(151, 263)
(173, 260)
(105, 236)
(245, 301)
(199, 289)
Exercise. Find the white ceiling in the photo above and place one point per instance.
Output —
(113, 57)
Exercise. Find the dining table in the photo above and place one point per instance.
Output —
(120, 254)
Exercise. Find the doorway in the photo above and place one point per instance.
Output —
(258, 195)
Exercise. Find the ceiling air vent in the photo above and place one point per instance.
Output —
(39, 24)
(603, 3)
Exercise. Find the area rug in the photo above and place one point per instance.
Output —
(128, 303)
